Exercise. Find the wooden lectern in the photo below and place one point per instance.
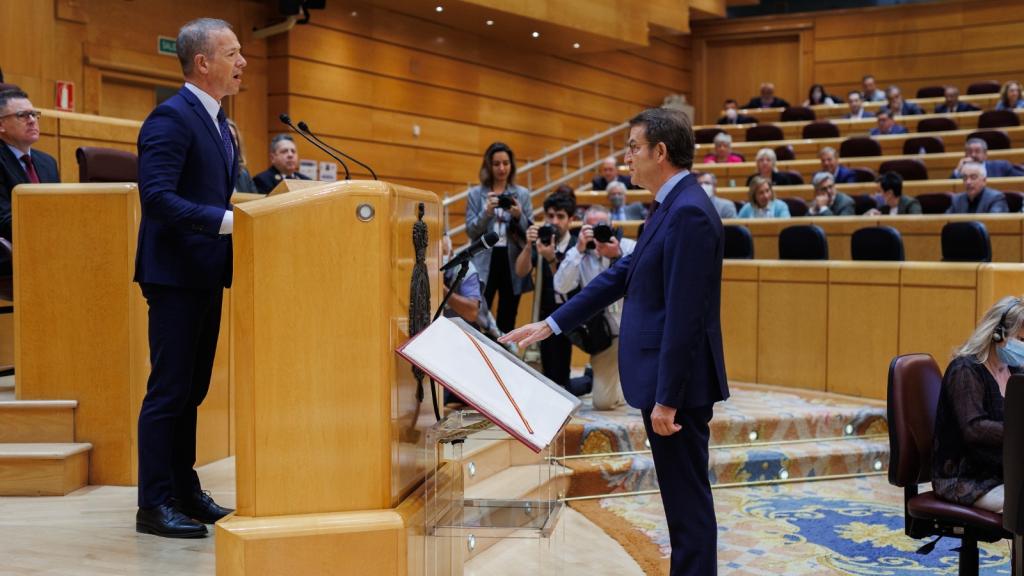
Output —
(330, 431)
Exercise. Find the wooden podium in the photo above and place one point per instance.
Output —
(330, 434)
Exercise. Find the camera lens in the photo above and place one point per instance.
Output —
(603, 233)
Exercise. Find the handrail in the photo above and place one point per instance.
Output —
(547, 159)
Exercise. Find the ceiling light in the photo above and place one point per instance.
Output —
(439, 9)
(536, 34)
(576, 45)
(490, 22)
(354, 13)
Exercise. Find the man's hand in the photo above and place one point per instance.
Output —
(547, 251)
(526, 335)
(663, 418)
(586, 235)
(609, 249)
(821, 201)
(873, 212)
(531, 234)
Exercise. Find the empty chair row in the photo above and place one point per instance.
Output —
(961, 242)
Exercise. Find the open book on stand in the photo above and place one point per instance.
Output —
(500, 386)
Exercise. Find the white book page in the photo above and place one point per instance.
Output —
(446, 351)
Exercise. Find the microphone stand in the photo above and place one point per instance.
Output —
(305, 128)
(460, 275)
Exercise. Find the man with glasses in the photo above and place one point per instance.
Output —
(19, 163)
(978, 197)
(827, 200)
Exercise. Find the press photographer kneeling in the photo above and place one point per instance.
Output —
(598, 247)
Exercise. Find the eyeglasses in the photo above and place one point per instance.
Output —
(635, 147)
(24, 115)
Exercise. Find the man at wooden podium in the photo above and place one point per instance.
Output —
(670, 339)
(187, 168)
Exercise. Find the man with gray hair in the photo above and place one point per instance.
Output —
(976, 150)
(977, 198)
(827, 200)
(607, 173)
(597, 248)
(188, 164)
(284, 164)
(725, 208)
(619, 209)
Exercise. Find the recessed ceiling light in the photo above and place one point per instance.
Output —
(354, 13)
(439, 8)
(576, 45)
(536, 34)
(490, 22)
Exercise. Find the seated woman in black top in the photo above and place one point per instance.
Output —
(767, 168)
(967, 464)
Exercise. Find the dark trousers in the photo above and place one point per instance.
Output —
(681, 462)
(499, 281)
(556, 358)
(183, 329)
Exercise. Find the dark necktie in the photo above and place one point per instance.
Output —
(654, 208)
(30, 169)
(225, 135)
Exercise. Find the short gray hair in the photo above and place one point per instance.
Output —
(596, 209)
(829, 150)
(979, 165)
(194, 38)
(978, 141)
(723, 138)
(278, 139)
(617, 185)
(820, 177)
(767, 153)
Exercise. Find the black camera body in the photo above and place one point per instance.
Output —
(545, 233)
(603, 233)
(506, 199)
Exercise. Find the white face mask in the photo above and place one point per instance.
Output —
(731, 114)
(708, 189)
(1012, 354)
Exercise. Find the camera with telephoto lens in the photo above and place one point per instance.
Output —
(506, 199)
(602, 233)
(545, 233)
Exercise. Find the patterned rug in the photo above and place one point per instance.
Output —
(852, 526)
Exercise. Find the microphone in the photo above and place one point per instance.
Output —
(485, 242)
(305, 127)
(287, 121)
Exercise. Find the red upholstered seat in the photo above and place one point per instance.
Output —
(929, 507)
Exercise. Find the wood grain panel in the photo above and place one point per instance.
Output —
(742, 77)
(791, 348)
(740, 313)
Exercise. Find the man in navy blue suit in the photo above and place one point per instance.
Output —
(188, 164)
(670, 340)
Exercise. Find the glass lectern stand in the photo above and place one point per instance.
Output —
(491, 501)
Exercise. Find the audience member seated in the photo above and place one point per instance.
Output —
(1010, 97)
(767, 98)
(733, 116)
(967, 461)
(886, 125)
(725, 208)
(464, 302)
(244, 182)
(978, 198)
(607, 172)
(827, 200)
(830, 163)
(762, 202)
(870, 92)
(594, 253)
(898, 106)
(976, 150)
(551, 241)
(953, 103)
(616, 192)
(723, 153)
(856, 104)
(767, 164)
(890, 185)
(817, 95)
(19, 163)
(284, 164)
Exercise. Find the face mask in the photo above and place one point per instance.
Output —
(731, 114)
(1013, 353)
(708, 189)
(617, 201)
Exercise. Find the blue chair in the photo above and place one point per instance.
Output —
(880, 243)
(803, 242)
(966, 242)
(739, 244)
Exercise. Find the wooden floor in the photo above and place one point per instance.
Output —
(91, 532)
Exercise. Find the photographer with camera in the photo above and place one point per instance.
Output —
(499, 205)
(550, 243)
(598, 247)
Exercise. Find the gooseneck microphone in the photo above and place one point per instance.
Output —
(287, 121)
(485, 242)
(305, 127)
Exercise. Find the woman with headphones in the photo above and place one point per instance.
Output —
(967, 464)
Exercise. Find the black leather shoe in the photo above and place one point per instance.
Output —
(165, 521)
(201, 507)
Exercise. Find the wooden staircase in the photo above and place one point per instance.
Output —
(38, 452)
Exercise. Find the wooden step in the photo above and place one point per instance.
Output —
(53, 469)
(31, 421)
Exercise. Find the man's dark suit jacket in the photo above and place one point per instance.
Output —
(991, 201)
(179, 236)
(755, 103)
(740, 119)
(12, 173)
(907, 109)
(599, 183)
(960, 107)
(266, 180)
(997, 169)
(670, 338)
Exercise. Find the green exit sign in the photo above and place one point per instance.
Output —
(165, 45)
